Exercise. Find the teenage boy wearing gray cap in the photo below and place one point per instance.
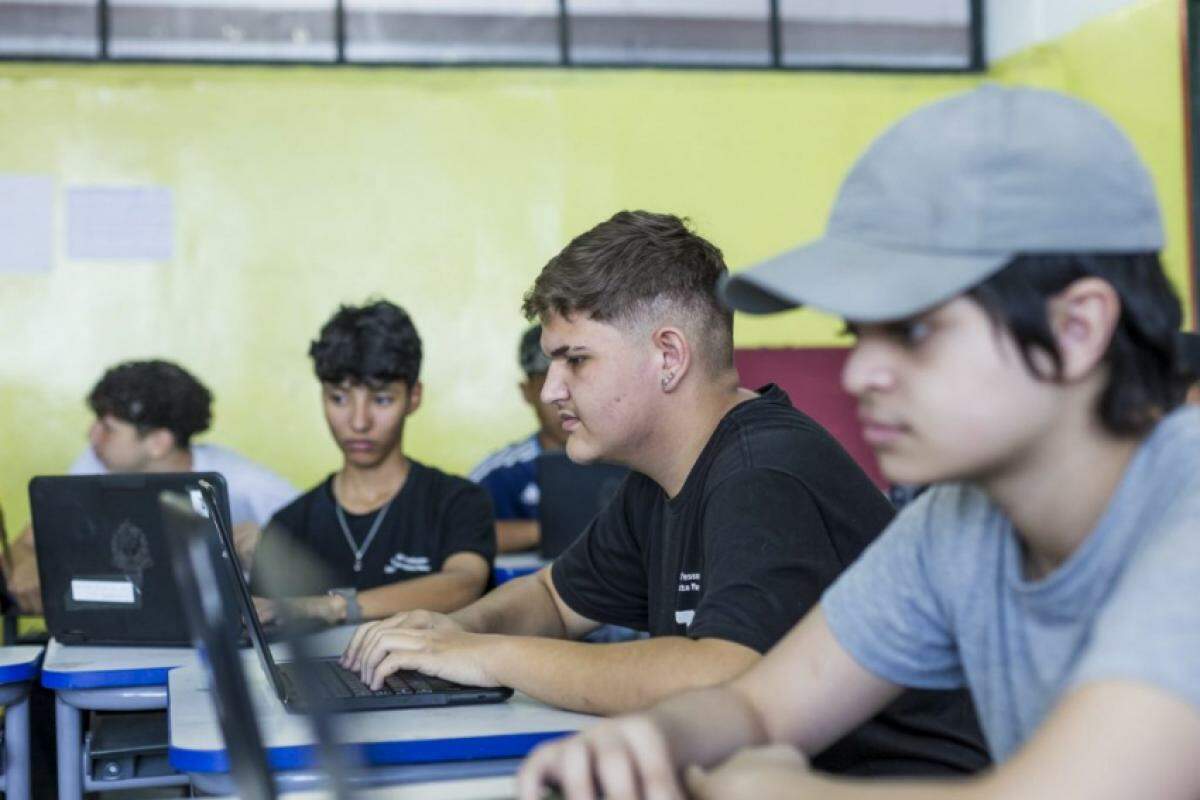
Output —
(510, 475)
(996, 254)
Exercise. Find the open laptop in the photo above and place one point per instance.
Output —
(203, 582)
(571, 496)
(103, 557)
(324, 683)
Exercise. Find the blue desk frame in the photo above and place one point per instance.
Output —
(19, 666)
(104, 679)
(400, 746)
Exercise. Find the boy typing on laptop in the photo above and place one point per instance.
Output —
(738, 512)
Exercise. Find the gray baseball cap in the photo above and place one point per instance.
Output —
(950, 194)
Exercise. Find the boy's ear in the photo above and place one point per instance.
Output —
(414, 398)
(1084, 317)
(675, 355)
(159, 442)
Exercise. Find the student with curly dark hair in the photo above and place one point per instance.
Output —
(393, 533)
(146, 415)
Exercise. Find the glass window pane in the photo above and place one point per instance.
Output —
(450, 31)
(62, 28)
(716, 32)
(272, 30)
(876, 33)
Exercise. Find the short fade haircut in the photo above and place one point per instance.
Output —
(1146, 377)
(372, 344)
(631, 268)
(154, 394)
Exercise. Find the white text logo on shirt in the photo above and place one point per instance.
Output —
(688, 582)
(401, 562)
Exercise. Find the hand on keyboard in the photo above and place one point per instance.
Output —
(367, 635)
(337, 681)
(449, 654)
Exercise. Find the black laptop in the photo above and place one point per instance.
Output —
(203, 591)
(103, 557)
(202, 582)
(323, 682)
(571, 496)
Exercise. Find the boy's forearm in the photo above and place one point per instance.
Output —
(440, 591)
(614, 678)
(729, 724)
(513, 535)
(521, 607)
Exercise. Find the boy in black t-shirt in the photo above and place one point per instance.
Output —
(739, 512)
(391, 533)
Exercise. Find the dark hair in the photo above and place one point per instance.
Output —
(530, 357)
(615, 271)
(373, 344)
(154, 394)
(1145, 376)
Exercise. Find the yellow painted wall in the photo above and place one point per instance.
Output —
(445, 190)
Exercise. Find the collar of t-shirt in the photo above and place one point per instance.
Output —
(769, 395)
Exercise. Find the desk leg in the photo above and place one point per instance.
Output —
(70, 750)
(16, 751)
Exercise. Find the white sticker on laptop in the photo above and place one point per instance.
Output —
(198, 504)
(93, 591)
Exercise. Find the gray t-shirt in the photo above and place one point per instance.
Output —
(940, 600)
(255, 492)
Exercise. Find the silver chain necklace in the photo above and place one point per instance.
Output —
(359, 552)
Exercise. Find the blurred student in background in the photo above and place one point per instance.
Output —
(147, 413)
(510, 475)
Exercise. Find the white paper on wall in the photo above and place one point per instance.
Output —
(26, 223)
(128, 223)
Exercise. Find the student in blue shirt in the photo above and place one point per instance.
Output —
(510, 474)
(996, 256)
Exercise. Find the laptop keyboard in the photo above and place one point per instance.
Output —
(337, 681)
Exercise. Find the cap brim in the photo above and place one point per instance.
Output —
(860, 282)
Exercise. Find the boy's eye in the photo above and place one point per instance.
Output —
(384, 399)
(918, 331)
(575, 361)
(911, 332)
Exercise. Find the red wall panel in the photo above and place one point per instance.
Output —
(812, 378)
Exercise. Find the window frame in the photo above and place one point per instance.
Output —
(976, 61)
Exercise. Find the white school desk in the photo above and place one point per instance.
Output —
(495, 788)
(400, 746)
(514, 565)
(104, 679)
(18, 668)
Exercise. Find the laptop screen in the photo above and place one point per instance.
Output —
(203, 580)
(103, 557)
(257, 638)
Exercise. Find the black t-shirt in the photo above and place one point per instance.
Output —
(771, 513)
(434, 516)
